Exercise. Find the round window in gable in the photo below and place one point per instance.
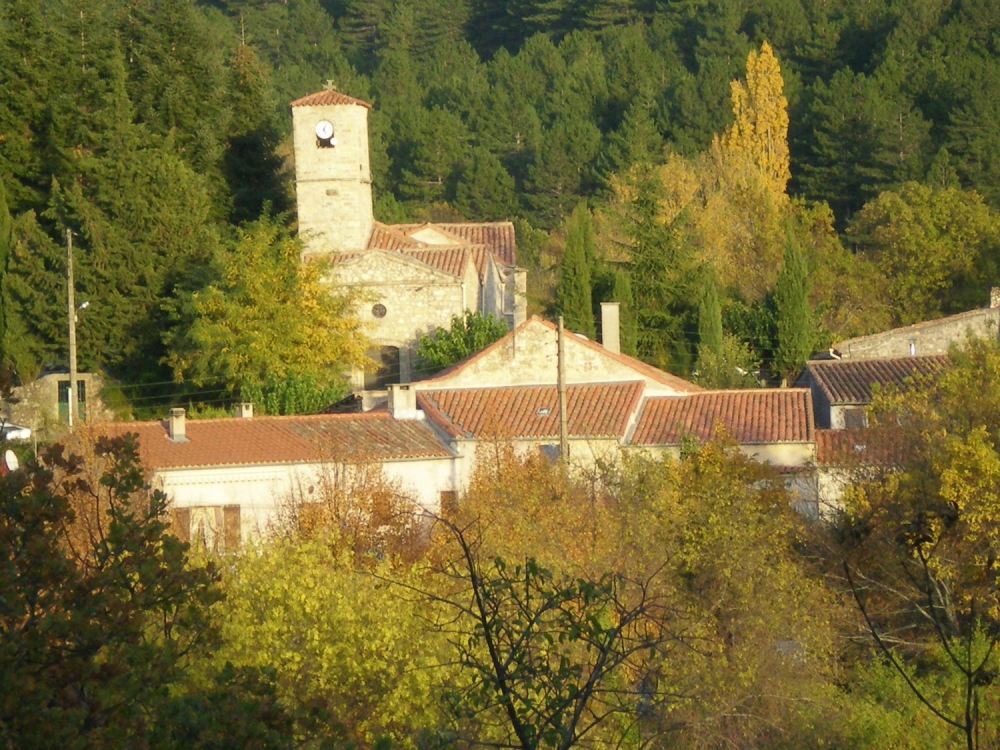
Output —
(378, 310)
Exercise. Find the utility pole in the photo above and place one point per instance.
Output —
(72, 324)
(561, 387)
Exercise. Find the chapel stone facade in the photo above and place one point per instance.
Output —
(415, 276)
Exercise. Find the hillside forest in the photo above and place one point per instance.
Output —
(751, 179)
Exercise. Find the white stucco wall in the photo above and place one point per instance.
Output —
(260, 491)
(776, 454)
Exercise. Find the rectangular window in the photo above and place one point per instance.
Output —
(449, 503)
(81, 400)
(180, 523)
(855, 418)
(231, 532)
(213, 527)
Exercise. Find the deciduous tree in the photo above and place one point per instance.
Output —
(466, 336)
(101, 609)
(265, 314)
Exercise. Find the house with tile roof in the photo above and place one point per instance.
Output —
(843, 389)
(771, 425)
(229, 479)
(415, 277)
(528, 356)
(927, 337)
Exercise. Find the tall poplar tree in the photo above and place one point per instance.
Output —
(795, 326)
(759, 133)
(252, 168)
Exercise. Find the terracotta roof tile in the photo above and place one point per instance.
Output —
(452, 259)
(850, 381)
(385, 237)
(858, 447)
(322, 98)
(598, 411)
(371, 436)
(761, 415)
(498, 236)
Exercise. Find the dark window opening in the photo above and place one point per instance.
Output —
(387, 358)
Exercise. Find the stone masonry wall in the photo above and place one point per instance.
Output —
(528, 357)
(333, 185)
(931, 337)
(416, 298)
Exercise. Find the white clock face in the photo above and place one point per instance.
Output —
(324, 130)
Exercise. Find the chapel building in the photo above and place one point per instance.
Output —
(415, 276)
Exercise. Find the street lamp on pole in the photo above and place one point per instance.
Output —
(71, 314)
(71, 305)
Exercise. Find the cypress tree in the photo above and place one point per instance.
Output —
(709, 321)
(574, 295)
(622, 294)
(794, 322)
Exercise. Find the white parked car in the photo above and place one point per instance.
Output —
(14, 432)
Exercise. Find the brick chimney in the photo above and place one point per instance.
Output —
(611, 327)
(402, 401)
(176, 427)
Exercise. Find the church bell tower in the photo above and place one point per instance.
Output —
(333, 179)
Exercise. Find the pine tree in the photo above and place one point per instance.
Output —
(636, 141)
(252, 166)
(485, 190)
(574, 295)
(795, 327)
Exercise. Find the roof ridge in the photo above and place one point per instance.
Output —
(919, 324)
(328, 96)
(859, 362)
(256, 419)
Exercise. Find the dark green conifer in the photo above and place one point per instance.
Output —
(622, 294)
(574, 295)
(709, 320)
(795, 327)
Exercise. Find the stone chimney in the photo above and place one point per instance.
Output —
(176, 427)
(402, 401)
(244, 410)
(611, 327)
(520, 292)
(995, 297)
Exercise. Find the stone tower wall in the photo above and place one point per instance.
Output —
(333, 185)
